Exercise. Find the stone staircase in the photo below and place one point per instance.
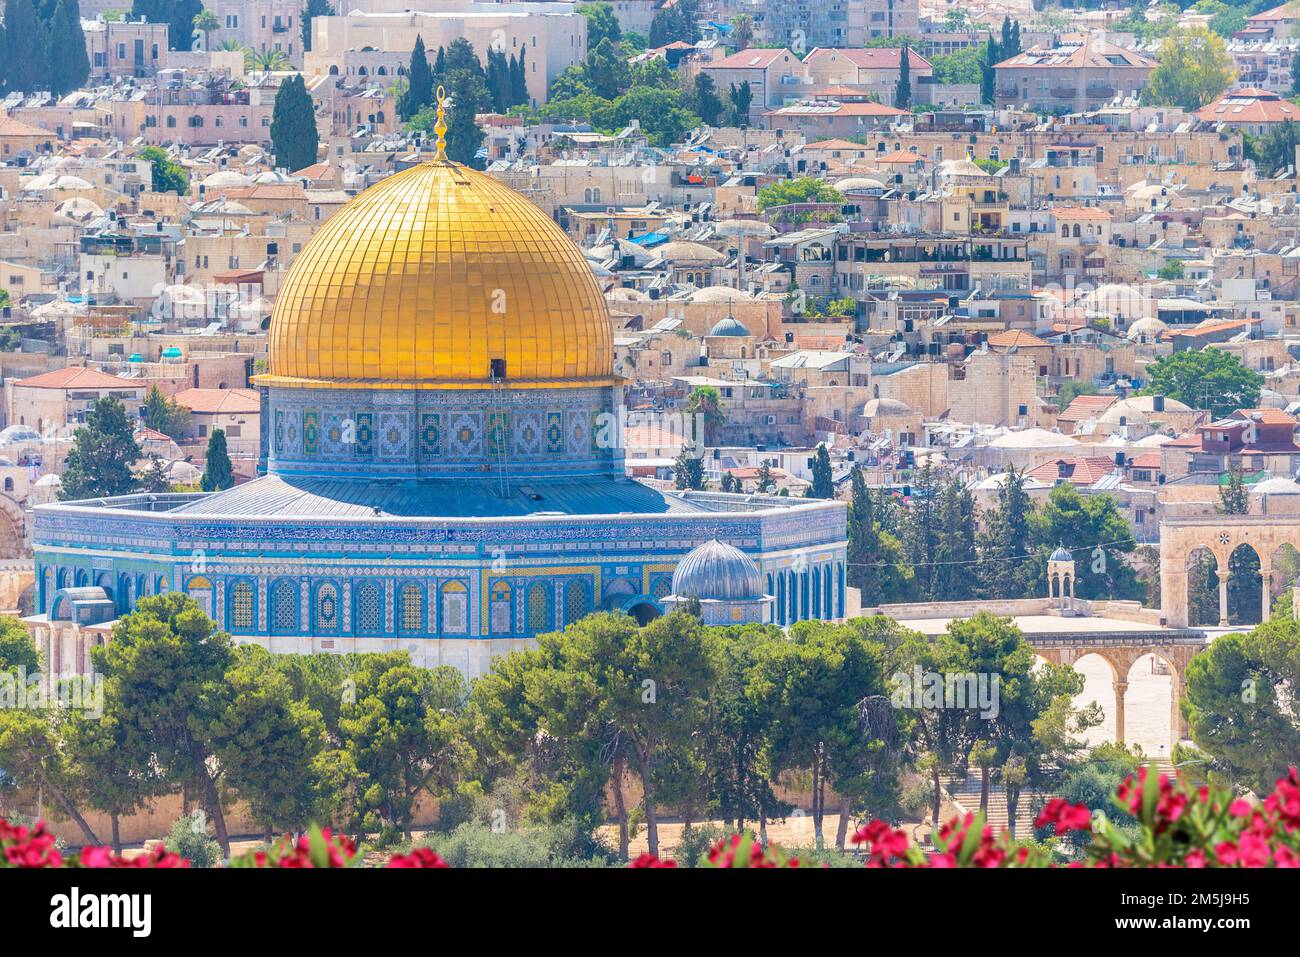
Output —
(965, 795)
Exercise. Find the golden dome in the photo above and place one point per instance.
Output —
(425, 278)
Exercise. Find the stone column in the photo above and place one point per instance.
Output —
(1120, 686)
(1223, 596)
(1265, 590)
(1176, 729)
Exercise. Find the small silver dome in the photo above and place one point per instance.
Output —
(719, 572)
(730, 326)
(1061, 555)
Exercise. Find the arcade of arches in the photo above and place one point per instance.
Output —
(1267, 536)
(1121, 655)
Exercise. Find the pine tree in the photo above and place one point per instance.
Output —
(688, 471)
(25, 39)
(1006, 544)
(461, 56)
(708, 105)
(419, 83)
(164, 414)
(498, 79)
(954, 572)
(1233, 499)
(293, 126)
(103, 450)
(68, 64)
(903, 91)
(218, 473)
(921, 532)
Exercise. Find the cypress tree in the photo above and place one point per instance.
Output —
(419, 80)
(314, 8)
(218, 473)
(25, 39)
(498, 79)
(519, 82)
(463, 135)
(903, 92)
(822, 483)
(68, 63)
(293, 126)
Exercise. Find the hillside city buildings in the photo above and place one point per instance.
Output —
(977, 287)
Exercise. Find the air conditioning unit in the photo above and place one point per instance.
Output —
(769, 420)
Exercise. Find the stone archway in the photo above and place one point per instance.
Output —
(1121, 656)
(13, 529)
(644, 612)
(1221, 535)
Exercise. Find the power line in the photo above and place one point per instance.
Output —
(981, 561)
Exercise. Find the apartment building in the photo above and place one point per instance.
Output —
(372, 44)
(123, 48)
(1082, 72)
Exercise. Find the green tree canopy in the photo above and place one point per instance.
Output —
(802, 190)
(1210, 379)
(103, 451)
(1242, 702)
(218, 473)
(293, 126)
(1193, 68)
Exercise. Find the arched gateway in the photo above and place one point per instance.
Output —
(1220, 535)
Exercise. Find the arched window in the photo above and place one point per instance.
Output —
(411, 607)
(539, 613)
(369, 614)
(47, 589)
(62, 578)
(284, 607)
(160, 585)
(828, 591)
(501, 608)
(1065, 230)
(241, 606)
(334, 69)
(200, 589)
(1076, 230)
(575, 602)
(816, 592)
(327, 608)
(455, 608)
(780, 600)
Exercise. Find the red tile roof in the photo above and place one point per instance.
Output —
(1079, 471)
(756, 59)
(219, 401)
(1085, 407)
(1249, 106)
(872, 58)
(1015, 338)
(1081, 212)
(77, 377)
(1074, 51)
